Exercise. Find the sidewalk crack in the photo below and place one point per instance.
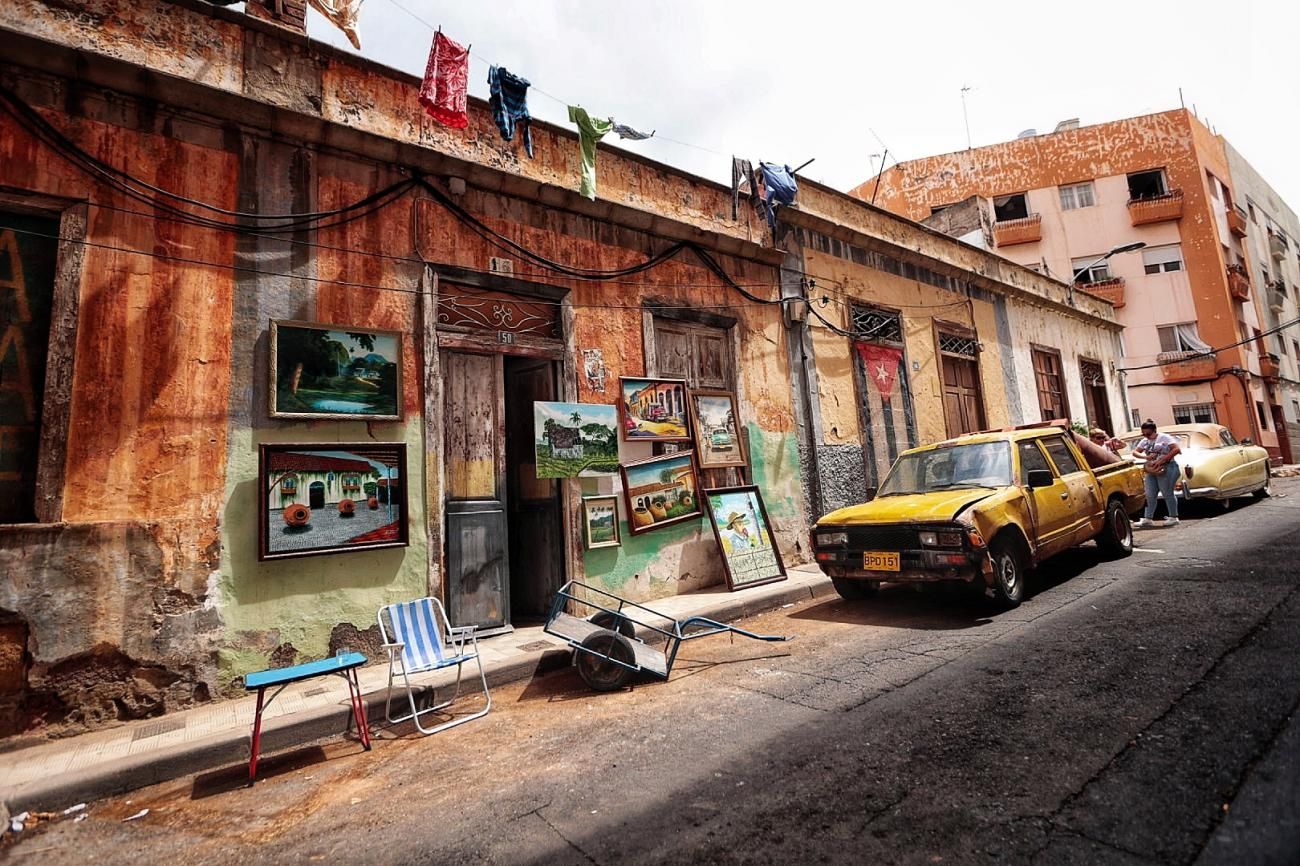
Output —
(556, 830)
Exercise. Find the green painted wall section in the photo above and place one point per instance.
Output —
(299, 601)
(649, 555)
(774, 461)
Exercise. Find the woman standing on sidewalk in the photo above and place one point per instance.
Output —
(1159, 451)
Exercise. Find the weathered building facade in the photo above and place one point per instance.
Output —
(1062, 200)
(915, 338)
(175, 176)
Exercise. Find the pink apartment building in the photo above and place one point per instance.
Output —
(1063, 200)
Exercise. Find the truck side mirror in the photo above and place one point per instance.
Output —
(1247, 441)
(871, 493)
(1038, 478)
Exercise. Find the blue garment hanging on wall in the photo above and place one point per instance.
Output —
(781, 187)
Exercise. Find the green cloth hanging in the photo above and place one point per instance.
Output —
(590, 131)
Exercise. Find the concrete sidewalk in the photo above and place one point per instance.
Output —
(61, 773)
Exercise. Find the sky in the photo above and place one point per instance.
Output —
(842, 82)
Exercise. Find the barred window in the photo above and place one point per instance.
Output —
(956, 344)
(877, 326)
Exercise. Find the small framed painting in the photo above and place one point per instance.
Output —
(600, 517)
(653, 410)
(335, 372)
(331, 498)
(717, 432)
(661, 491)
(749, 555)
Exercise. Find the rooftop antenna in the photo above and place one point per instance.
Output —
(964, 116)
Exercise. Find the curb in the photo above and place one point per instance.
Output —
(231, 748)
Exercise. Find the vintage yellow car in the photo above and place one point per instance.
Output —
(981, 510)
(1213, 465)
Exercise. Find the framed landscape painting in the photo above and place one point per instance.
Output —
(331, 498)
(572, 439)
(744, 533)
(600, 518)
(335, 371)
(661, 491)
(717, 433)
(653, 410)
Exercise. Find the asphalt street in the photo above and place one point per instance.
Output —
(1137, 711)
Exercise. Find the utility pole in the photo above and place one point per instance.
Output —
(964, 116)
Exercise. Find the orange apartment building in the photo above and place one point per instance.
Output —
(1062, 200)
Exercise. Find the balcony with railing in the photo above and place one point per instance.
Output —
(1238, 282)
(1186, 367)
(1276, 296)
(1111, 290)
(1157, 208)
(1270, 366)
(1277, 244)
(1237, 221)
(1020, 231)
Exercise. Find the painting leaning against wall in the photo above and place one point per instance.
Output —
(331, 498)
(335, 371)
(744, 533)
(572, 439)
(661, 491)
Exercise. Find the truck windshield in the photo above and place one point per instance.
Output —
(987, 464)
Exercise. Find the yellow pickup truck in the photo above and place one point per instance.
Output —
(982, 510)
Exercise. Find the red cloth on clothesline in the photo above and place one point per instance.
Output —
(444, 93)
(881, 365)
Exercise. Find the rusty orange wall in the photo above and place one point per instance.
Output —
(146, 439)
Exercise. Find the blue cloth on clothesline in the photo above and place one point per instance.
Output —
(781, 189)
(509, 104)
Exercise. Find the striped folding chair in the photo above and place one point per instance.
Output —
(419, 638)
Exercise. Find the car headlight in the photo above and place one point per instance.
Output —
(830, 538)
(941, 538)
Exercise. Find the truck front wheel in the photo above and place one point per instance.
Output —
(1008, 573)
(1116, 537)
(855, 590)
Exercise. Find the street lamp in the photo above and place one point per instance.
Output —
(1122, 248)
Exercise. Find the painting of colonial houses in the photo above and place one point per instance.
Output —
(330, 498)
(654, 410)
(661, 490)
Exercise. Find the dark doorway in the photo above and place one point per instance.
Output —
(316, 495)
(533, 512)
(1283, 440)
(1096, 402)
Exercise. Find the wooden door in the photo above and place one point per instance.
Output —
(478, 565)
(963, 402)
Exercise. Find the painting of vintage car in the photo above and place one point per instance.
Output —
(717, 432)
(1213, 465)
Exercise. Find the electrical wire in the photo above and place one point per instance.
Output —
(1209, 353)
(354, 284)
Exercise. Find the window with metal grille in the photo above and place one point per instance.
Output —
(1195, 413)
(877, 326)
(1091, 373)
(956, 344)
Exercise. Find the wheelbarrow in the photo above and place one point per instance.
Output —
(607, 650)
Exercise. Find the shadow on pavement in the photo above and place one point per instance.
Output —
(229, 779)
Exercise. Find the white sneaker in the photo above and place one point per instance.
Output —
(1144, 523)
(1171, 521)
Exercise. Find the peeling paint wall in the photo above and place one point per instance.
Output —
(150, 596)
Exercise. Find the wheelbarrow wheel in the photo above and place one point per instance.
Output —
(614, 622)
(597, 671)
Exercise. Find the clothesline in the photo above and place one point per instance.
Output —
(433, 28)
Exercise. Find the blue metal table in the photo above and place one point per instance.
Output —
(343, 665)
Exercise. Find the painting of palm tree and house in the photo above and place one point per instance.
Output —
(575, 439)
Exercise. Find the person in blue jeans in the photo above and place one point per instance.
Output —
(1159, 451)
